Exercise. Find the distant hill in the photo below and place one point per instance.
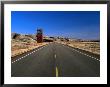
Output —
(22, 37)
(29, 37)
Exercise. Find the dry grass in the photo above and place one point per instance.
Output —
(19, 47)
(93, 47)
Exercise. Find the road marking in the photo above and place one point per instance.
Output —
(40, 48)
(86, 54)
(89, 56)
(94, 58)
(56, 72)
(55, 56)
(97, 59)
(82, 53)
(29, 54)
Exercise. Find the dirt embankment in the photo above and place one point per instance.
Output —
(23, 43)
(19, 47)
(93, 47)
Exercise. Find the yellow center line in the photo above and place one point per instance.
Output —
(56, 71)
(55, 56)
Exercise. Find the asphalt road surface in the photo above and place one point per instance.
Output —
(55, 60)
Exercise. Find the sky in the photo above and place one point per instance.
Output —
(71, 24)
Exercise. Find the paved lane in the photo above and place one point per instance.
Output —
(72, 63)
(41, 63)
(56, 60)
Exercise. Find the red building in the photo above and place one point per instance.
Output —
(39, 36)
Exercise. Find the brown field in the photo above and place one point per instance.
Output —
(93, 47)
(19, 47)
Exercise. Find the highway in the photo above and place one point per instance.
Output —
(55, 60)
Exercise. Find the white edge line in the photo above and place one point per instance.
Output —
(86, 55)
